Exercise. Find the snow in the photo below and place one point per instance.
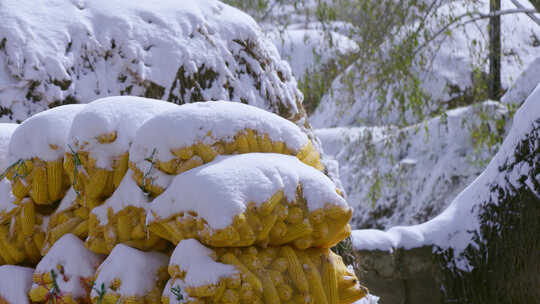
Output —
(355, 101)
(15, 282)
(209, 122)
(407, 176)
(221, 189)
(6, 131)
(7, 198)
(78, 51)
(524, 85)
(68, 201)
(127, 194)
(120, 114)
(197, 262)
(43, 135)
(368, 299)
(308, 50)
(77, 261)
(454, 227)
(137, 270)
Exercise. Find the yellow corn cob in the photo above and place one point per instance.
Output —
(267, 207)
(277, 146)
(97, 245)
(205, 152)
(201, 291)
(20, 187)
(314, 279)
(267, 225)
(107, 138)
(28, 218)
(305, 151)
(351, 295)
(10, 253)
(280, 264)
(96, 184)
(295, 269)
(230, 147)
(242, 143)
(193, 162)
(69, 165)
(312, 158)
(246, 293)
(183, 153)
(270, 293)
(120, 169)
(64, 228)
(110, 298)
(346, 281)
(138, 232)
(234, 282)
(38, 294)
(39, 239)
(252, 141)
(55, 179)
(170, 167)
(329, 279)
(175, 234)
(278, 232)
(247, 275)
(40, 190)
(159, 230)
(296, 231)
(82, 229)
(295, 215)
(264, 143)
(285, 292)
(230, 297)
(81, 212)
(32, 252)
(124, 227)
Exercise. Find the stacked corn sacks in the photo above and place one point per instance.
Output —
(66, 273)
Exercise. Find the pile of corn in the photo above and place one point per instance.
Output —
(101, 189)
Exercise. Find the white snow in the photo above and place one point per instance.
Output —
(137, 270)
(43, 135)
(221, 189)
(453, 228)
(15, 282)
(68, 201)
(127, 194)
(307, 50)
(120, 114)
(407, 176)
(197, 262)
(86, 50)
(77, 261)
(368, 299)
(7, 198)
(6, 131)
(209, 122)
(524, 85)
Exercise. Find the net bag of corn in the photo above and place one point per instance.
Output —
(36, 155)
(130, 276)
(21, 228)
(69, 217)
(254, 198)
(195, 133)
(271, 275)
(65, 274)
(122, 219)
(15, 282)
(99, 141)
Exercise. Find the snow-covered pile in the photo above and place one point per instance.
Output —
(6, 131)
(78, 51)
(354, 100)
(74, 265)
(458, 227)
(524, 85)
(406, 176)
(15, 282)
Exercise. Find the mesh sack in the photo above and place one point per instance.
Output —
(254, 198)
(209, 129)
(255, 275)
(130, 276)
(66, 273)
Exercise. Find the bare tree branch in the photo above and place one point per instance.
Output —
(531, 15)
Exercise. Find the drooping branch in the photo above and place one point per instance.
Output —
(531, 15)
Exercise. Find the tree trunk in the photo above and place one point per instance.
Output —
(495, 51)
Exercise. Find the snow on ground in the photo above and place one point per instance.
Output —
(309, 50)
(454, 227)
(451, 66)
(406, 176)
(44, 135)
(77, 51)
(15, 282)
(221, 189)
(78, 264)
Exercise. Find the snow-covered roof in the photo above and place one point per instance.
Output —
(222, 189)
